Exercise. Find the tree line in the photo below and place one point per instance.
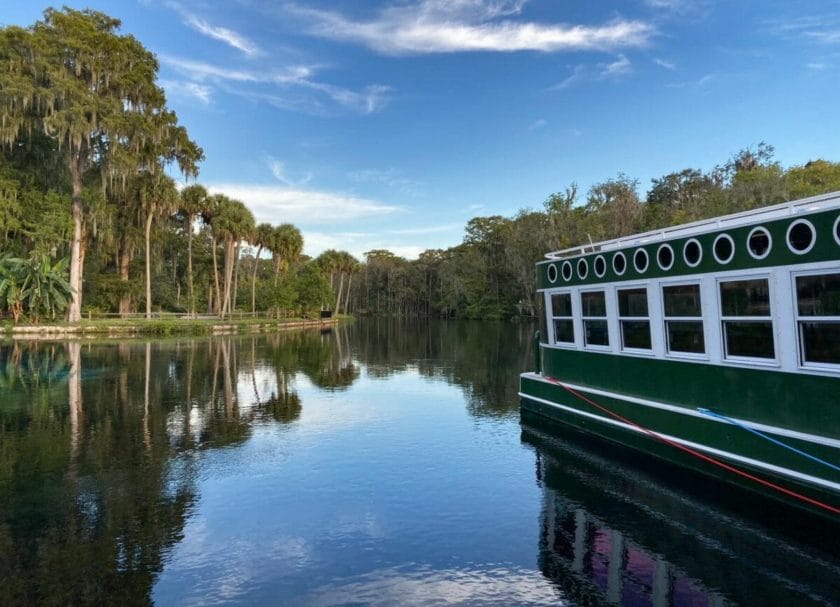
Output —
(92, 221)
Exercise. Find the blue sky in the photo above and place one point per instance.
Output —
(391, 124)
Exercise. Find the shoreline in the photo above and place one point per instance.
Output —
(160, 328)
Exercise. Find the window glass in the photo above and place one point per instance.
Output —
(561, 304)
(681, 300)
(561, 310)
(745, 316)
(818, 305)
(594, 314)
(633, 318)
(683, 319)
(745, 298)
(632, 302)
(593, 304)
(818, 295)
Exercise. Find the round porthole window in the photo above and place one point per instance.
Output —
(723, 249)
(640, 261)
(567, 270)
(665, 257)
(583, 269)
(619, 263)
(600, 266)
(759, 243)
(837, 229)
(801, 236)
(552, 273)
(692, 253)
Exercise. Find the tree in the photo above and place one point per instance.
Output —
(262, 239)
(286, 247)
(813, 178)
(233, 222)
(74, 78)
(193, 202)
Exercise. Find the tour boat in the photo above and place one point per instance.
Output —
(714, 344)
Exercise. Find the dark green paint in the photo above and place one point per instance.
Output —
(826, 248)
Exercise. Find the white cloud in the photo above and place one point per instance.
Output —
(298, 78)
(187, 90)
(355, 243)
(701, 82)
(539, 123)
(310, 207)
(440, 26)
(388, 177)
(668, 65)
(817, 67)
(613, 70)
(278, 169)
(619, 67)
(223, 34)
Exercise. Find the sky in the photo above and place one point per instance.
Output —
(389, 125)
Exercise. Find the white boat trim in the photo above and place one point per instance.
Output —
(698, 446)
(804, 436)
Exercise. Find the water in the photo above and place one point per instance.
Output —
(376, 464)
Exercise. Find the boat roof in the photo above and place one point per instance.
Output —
(813, 204)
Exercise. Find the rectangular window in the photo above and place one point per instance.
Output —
(594, 313)
(634, 319)
(561, 310)
(683, 319)
(745, 317)
(818, 318)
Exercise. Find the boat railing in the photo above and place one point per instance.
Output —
(805, 205)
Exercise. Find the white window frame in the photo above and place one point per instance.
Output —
(552, 317)
(621, 346)
(606, 318)
(771, 317)
(698, 282)
(800, 346)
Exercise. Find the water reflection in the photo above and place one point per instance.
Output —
(613, 534)
(98, 449)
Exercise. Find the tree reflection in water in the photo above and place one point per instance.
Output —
(98, 449)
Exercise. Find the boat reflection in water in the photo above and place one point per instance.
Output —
(615, 534)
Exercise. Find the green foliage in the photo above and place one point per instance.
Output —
(35, 287)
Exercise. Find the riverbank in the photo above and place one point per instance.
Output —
(162, 327)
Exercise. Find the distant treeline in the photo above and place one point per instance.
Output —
(491, 273)
(91, 221)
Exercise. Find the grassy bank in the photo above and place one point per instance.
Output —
(161, 327)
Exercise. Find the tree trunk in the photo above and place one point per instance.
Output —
(74, 310)
(124, 262)
(189, 265)
(229, 261)
(340, 289)
(347, 295)
(149, 218)
(254, 281)
(218, 300)
(236, 262)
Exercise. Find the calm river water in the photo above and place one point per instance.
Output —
(380, 463)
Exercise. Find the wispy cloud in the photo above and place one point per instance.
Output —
(539, 123)
(668, 65)
(449, 227)
(187, 90)
(278, 169)
(299, 78)
(701, 82)
(223, 34)
(821, 29)
(612, 70)
(391, 178)
(449, 26)
(300, 206)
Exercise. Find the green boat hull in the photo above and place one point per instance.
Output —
(652, 405)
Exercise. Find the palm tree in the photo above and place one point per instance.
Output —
(286, 247)
(192, 204)
(233, 222)
(156, 197)
(208, 215)
(261, 238)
